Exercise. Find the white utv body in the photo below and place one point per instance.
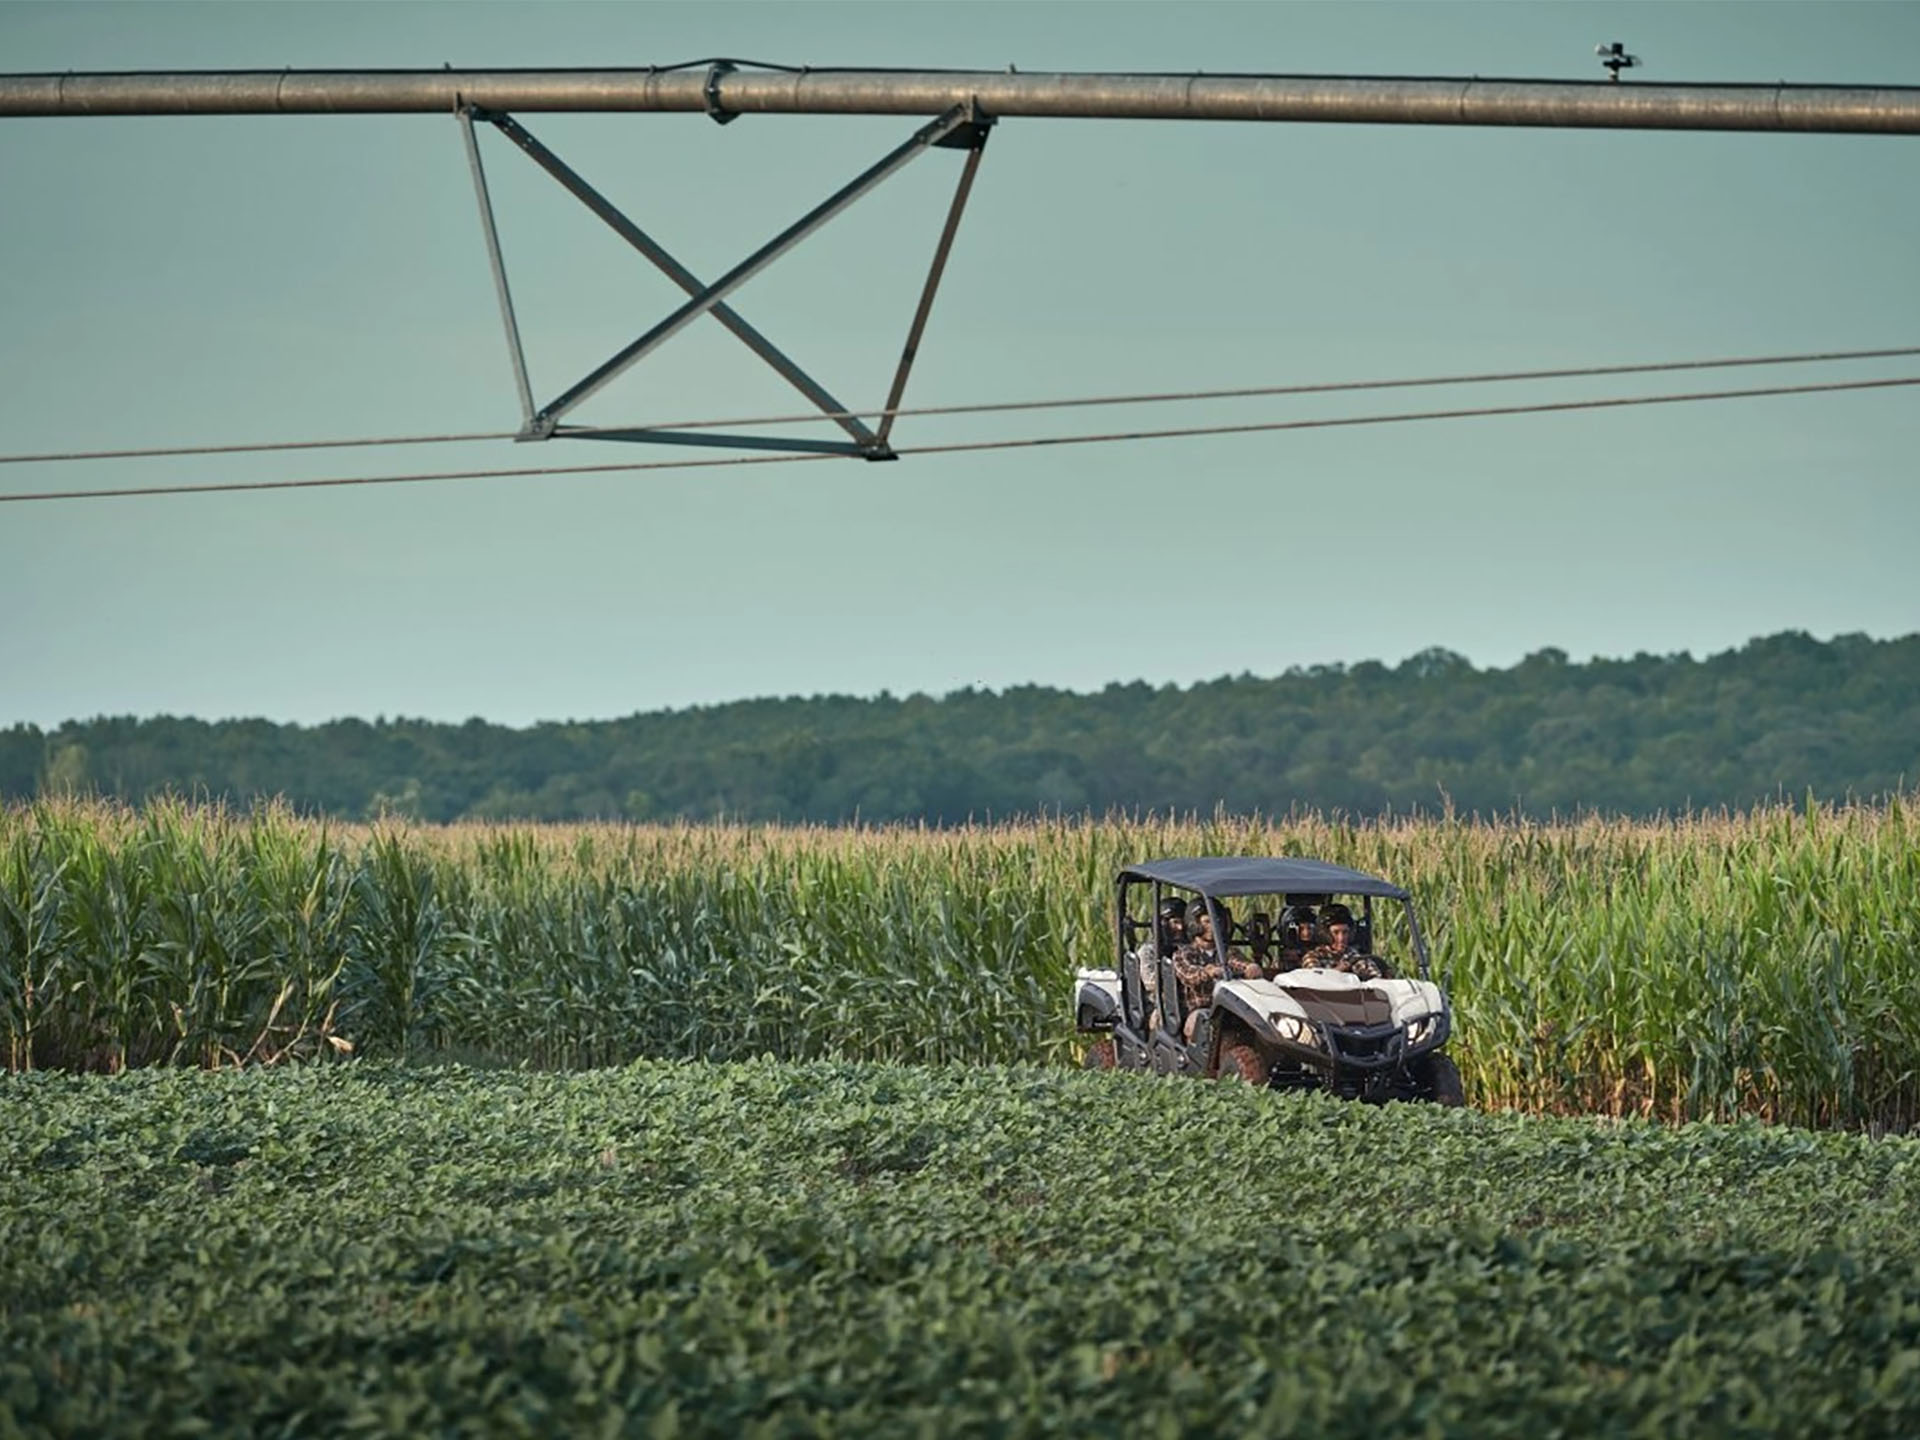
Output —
(1297, 1027)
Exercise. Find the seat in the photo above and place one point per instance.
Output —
(1133, 999)
(1173, 1005)
(1258, 932)
(1202, 1037)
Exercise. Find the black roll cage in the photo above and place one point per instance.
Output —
(1126, 926)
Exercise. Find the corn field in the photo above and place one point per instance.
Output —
(1764, 963)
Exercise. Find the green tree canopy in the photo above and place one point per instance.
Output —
(1786, 714)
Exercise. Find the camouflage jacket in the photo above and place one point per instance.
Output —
(1197, 968)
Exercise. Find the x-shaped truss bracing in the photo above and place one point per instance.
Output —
(962, 127)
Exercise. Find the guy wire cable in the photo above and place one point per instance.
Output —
(1249, 392)
(1333, 422)
(1311, 388)
(261, 447)
(340, 481)
(1410, 416)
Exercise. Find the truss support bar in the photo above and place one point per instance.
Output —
(977, 147)
(726, 442)
(657, 253)
(514, 352)
(698, 305)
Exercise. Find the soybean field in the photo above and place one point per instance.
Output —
(789, 1249)
(1704, 967)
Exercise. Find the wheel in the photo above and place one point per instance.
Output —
(1099, 1056)
(1240, 1059)
(1446, 1084)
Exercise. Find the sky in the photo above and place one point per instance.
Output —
(210, 280)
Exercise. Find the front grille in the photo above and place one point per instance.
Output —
(1368, 1047)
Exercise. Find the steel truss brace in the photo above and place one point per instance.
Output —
(961, 127)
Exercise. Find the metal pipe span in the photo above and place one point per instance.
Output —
(1298, 99)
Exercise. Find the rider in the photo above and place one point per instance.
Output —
(1196, 965)
(1169, 935)
(1297, 934)
(1338, 953)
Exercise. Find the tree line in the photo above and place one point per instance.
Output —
(1785, 714)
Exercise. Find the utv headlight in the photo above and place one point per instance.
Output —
(1293, 1029)
(1423, 1030)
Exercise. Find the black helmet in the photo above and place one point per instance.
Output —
(1173, 908)
(1336, 914)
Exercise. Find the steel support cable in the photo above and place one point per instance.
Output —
(1333, 387)
(1405, 417)
(341, 481)
(1326, 423)
(161, 451)
(1330, 387)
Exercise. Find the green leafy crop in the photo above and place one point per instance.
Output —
(781, 1249)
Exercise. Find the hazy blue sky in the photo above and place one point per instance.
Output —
(190, 280)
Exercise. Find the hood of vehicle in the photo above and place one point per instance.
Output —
(1333, 997)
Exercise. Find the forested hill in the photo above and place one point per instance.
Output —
(1783, 714)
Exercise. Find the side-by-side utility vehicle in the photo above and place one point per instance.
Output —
(1362, 1019)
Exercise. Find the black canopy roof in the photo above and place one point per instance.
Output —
(1227, 875)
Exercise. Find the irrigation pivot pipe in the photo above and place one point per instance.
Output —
(726, 89)
(964, 104)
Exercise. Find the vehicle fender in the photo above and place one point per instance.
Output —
(1413, 998)
(1252, 1002)
(1096, 999)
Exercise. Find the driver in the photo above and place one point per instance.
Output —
(1338, 952)
(1196, 965)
